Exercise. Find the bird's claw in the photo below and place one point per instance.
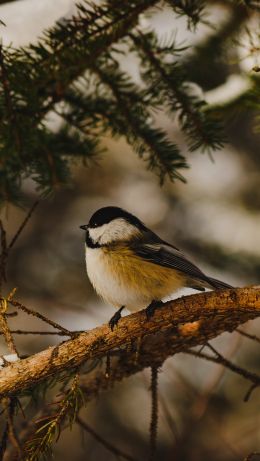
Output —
(115, 319)
(151, 308)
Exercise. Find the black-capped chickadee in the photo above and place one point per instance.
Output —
(130, 266)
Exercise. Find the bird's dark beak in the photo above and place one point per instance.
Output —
(84, 227)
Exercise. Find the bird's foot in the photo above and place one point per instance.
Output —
(152, 307)
(115, 319)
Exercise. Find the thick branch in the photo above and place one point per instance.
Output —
(180, 324)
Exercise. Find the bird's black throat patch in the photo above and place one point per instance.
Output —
(90, 243)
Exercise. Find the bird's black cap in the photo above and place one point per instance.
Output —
(109, 213)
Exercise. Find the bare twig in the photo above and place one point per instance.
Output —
(41, 317)
(3, 442)
(4, 254)
(11, 314)
(250, 391)
(23, 224)
(108, 363)
(44, 333)
(243, 372)
(4, 248)
(7, 334)
(202, 402)
(108, 445)
(254, 378)
(4, 325)
(154, 413)
(248, 335)
(12, 436)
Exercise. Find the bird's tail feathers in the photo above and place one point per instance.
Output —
(218, 284)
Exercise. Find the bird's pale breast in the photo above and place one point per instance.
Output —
(124, 279)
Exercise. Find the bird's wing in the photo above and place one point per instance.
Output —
(165, 255)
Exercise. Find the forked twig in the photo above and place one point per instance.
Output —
(253, 377)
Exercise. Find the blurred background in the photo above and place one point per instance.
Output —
(214, 218)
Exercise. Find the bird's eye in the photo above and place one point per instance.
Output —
(94, 224)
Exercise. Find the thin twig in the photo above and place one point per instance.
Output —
(11, 314)
(43, 333)
(4, 254)
(11, 429)
(154, 413)
(41, 317)
(107, 372)
(3, 304)
(4, 325)
(7, 334)
(193, 417)
(254, 378)
(3, 442)
(248, 335)
(250, 391)
(6, 249)
(108, 445)
(23, 224)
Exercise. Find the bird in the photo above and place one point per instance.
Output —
(132, 267)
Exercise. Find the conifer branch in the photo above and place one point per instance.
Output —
(50, 426)
(10, 112)
(38, 77)
(99, 28)
(177, 326)
(169, 80)
(190, 8)
(163, 156)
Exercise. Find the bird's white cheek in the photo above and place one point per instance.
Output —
(116, 230)
(96, 234)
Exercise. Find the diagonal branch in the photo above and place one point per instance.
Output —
(107, 444)
(178, 325)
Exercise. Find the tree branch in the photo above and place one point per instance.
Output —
(178, 325)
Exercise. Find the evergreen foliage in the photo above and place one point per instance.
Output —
(74, 71)
(50, 426)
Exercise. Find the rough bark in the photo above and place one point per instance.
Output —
(178, 325)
